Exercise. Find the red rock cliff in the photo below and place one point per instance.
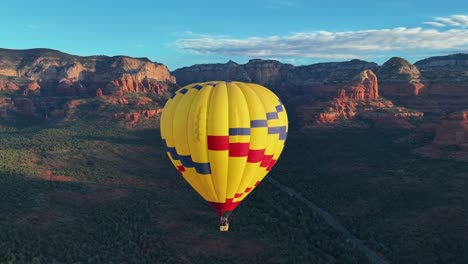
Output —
(453, 130)
(50, 72)
(399, 78)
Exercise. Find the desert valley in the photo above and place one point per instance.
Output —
(84, 177)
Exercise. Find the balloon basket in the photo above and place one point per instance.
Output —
(224, 222)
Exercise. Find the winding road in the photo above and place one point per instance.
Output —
(373, 256)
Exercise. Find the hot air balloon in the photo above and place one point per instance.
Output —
(224, 137)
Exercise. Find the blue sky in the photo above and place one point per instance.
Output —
(182, 33)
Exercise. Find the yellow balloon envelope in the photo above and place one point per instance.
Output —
(224, 137)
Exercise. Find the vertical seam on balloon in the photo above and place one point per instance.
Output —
(194, 186)
(206, 129)
(260, 95)
(254, 177)
(250, 137)
(282, 130)
(163, 125)
(227, 169)
(187, 140)
(208, 188)
(171, 118)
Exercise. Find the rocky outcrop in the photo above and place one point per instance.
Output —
(133, 118)
(270, 73)
(399, 78)
(452, 62)
(14, 84)
(6, 106)
(446, 80)
(358, 98)
(316, 93)
(39, 83)
(364, 87)
(380, 112)
(31, 107)
(111, 108)
(330, 72)
(360, 90)
(434, 86)
(453, 130)
(329, 117)
(50, 72)
(451, 138)
(99, 92)
(320, 93)
(316, 78)
(209, 72)
(131, 84)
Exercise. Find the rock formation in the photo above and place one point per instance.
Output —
(436, 85)
(399, 78)
(446, 80)
(276, 75)
(357, 98)
(209, 72)
(41, 83)
(453, 130)
(316, 93)
(364, 86)
(52, 72)
(451, 138)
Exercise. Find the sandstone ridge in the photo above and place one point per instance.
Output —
(50, 72)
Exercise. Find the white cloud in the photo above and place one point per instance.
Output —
(436, 24)
(454, 20)
(462, 19)
(330, 45)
